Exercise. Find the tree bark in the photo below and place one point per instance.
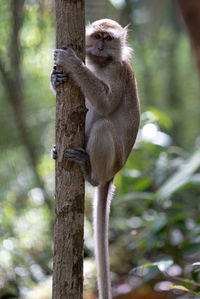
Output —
(190, 10)
(69, 193)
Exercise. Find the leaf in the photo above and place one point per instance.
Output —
(180, 178)
(196, 264)
(164, 265)
(190, 248)
(147, 265)
(158, 224)
(161, 265)
(162, 118)
(142, 184)
(181, 288)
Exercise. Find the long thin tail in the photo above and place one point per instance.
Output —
(102, 200)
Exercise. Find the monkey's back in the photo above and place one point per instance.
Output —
(126, 117)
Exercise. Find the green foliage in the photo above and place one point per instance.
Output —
(155, 222)
(161, 186)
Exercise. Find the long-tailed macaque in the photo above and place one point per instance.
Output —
(112, 121)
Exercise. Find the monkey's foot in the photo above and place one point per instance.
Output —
(77, 155)
(81, 157)
(54, 152)
(58, 77)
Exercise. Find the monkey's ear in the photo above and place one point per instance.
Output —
(125, 31)
(127, 27)
(89, 29)
(88, 24)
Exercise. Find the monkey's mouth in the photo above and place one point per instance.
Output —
(100, 59)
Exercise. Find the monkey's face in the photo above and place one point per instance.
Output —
(104, 39)
(102, 47)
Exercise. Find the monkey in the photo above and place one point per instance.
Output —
(112, 121)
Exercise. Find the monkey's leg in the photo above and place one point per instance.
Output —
(81, 157)
(104, 148)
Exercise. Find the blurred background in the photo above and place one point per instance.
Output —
(155, 220)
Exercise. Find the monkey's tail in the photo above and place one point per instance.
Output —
(102, 201)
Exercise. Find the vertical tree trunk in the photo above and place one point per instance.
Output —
(69, 193)
(190, 10)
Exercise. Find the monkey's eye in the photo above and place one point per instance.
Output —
(97, 36)
(109, 38)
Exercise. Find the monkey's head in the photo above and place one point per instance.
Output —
(106, 41)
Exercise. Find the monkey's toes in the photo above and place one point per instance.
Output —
(54, 152)
(78, 155)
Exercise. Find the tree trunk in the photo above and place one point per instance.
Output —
(69, 193)
(190, 10)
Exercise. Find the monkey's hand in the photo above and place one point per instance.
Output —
(57, 77)
(67, 59)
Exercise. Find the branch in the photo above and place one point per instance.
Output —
(190, 11)
(4, 74)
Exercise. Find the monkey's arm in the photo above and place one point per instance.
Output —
(103, 97)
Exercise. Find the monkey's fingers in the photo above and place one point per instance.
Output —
(58, 72)
(58, 79)
(61, 75)
(56, 57)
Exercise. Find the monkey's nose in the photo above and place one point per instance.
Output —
(100, 45)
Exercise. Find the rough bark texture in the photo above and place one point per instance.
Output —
(70, 128)
(190, 10)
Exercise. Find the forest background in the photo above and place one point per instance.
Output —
(155, 222)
